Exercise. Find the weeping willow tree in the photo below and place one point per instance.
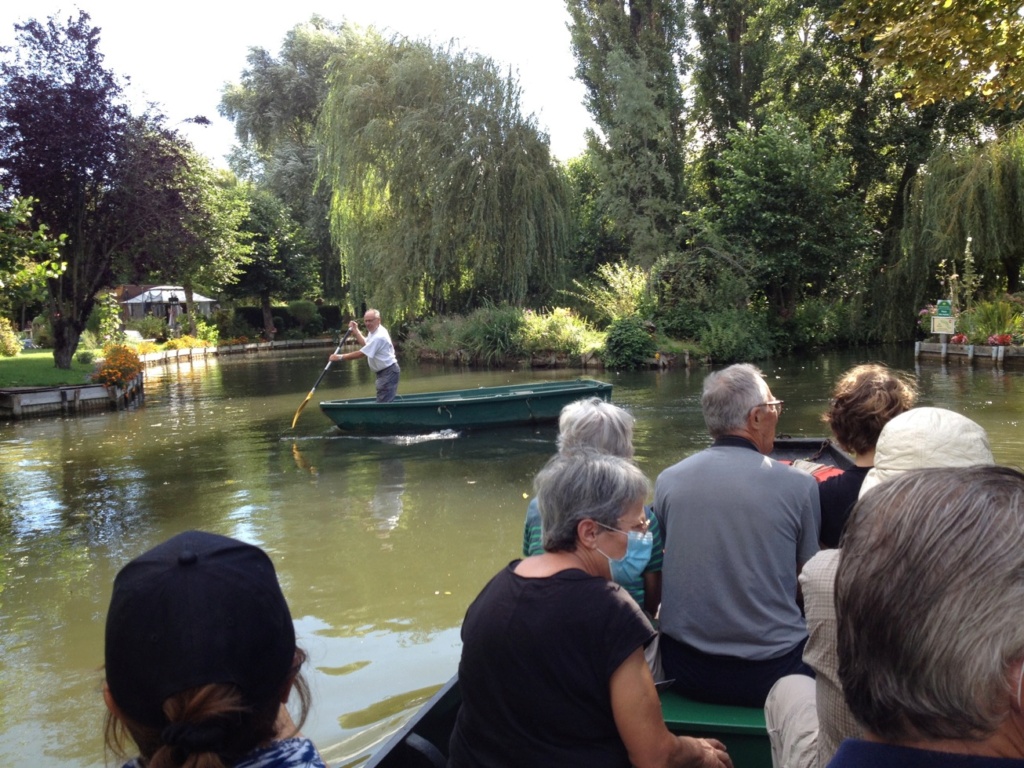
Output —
(964, 192)
(444, 195)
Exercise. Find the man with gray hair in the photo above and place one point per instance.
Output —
(379, 353)
(931, 645)
(737, 526)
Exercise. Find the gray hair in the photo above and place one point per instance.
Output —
(928, 597)
(728, 396)
(585, 485)
(595, 424)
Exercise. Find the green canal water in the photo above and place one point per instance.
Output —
(380, 544)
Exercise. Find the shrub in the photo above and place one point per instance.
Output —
(150, 327)
(232, 325)
(560, 331)
(120, 365)
(436, 337)
(186, 342)
(303, 311)
(88, 340)
(146, 348)
(736, 335)
(85, 356)
(315, 326)
(207, 332)
(620, 290)
(493, 334)
(42, 332)
(996, 318)
(10, 344)
(628, 345)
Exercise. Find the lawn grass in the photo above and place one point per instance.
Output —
(34, 368)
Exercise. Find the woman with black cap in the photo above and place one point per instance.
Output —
(201, 659)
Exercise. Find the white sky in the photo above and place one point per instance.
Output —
(181, 54)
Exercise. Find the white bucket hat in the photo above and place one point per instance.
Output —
(927, 438)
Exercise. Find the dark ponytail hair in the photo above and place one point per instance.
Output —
(210, 726)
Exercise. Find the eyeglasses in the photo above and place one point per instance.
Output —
(637, 528)
(775, 405)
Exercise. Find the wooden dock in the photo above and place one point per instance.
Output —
(968, 353)
(24, 402)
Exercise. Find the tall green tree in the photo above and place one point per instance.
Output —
(630, 57)
(63, 129)
(729, 57)
(281, 264)
(597, 241)
(275, 108)
(969, 191)
(785, 199)
(197, 242)
(445, 195)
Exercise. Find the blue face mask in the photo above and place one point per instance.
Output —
(629, 569)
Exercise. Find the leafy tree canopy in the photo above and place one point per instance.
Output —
(786, 202)
(967, 194)
(281, 264)
(196, 240)
(445, 195)
(952, 49)
(630, 58)
(63, 129)
(275, 108)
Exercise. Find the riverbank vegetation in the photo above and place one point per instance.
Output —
(763, 178)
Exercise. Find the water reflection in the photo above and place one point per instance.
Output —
(380, 543)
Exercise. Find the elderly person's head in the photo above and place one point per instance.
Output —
(928, 599)
(925, 438)
(864, 400)
(592, 423)
(585, 485)
(737, 401)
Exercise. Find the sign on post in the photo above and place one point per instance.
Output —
(944, 308)
(943, 324)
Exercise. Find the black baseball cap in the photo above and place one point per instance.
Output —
(197, 609)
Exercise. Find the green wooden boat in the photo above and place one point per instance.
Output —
(423, 741)
(462, 409)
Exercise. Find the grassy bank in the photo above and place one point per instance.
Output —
(34, 368)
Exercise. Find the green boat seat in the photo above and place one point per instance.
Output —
(741, 729)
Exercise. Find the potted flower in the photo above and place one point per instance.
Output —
(959, 338)
(1000, 339)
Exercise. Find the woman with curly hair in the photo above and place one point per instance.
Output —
(863, 401)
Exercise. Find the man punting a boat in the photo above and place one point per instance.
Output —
(379, 353)
(737, 526)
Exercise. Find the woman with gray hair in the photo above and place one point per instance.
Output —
(594, 424)
(931, 643)
(552, 669)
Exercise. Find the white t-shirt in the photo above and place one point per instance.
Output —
(379, 351)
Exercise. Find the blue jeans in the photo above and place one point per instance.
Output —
(387, 383)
